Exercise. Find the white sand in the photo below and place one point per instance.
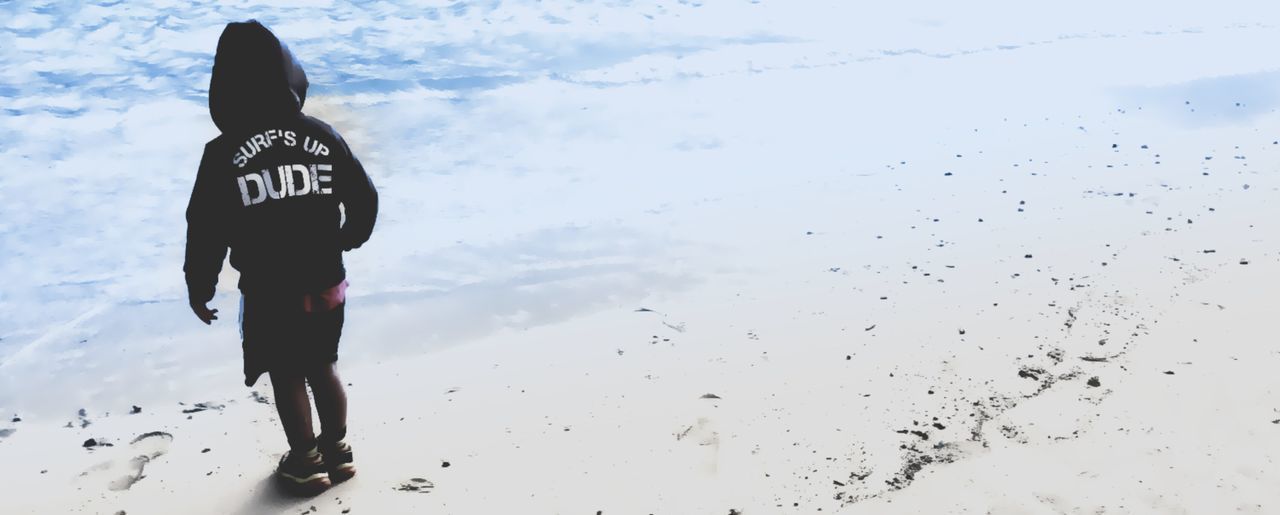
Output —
(838, 301)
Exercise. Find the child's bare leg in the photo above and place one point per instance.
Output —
(331, 401)
(294, 408)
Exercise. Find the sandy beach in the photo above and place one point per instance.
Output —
(677, 258)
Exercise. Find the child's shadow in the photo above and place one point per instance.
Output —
(269, 497)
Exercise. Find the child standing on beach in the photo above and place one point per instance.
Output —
(274, 188)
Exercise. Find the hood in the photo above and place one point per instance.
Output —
(255, 79)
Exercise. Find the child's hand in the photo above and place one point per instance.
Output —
(205, 314)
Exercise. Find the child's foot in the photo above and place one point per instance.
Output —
(339, 461)
(303, 473)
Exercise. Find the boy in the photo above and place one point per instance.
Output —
(269, 189)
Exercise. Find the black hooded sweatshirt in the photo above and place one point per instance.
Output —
(271, 185)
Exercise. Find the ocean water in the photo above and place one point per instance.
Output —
(538, 161)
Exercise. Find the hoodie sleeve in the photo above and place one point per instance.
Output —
(359, 202)
(206, 241)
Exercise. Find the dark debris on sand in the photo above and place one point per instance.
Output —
(916, 459)
(416, 484)
(151, 434)
(203, 406)
(84, 419)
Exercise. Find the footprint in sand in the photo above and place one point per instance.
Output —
(704, 434)
(126, 469)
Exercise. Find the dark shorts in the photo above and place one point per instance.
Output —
(279, 335)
